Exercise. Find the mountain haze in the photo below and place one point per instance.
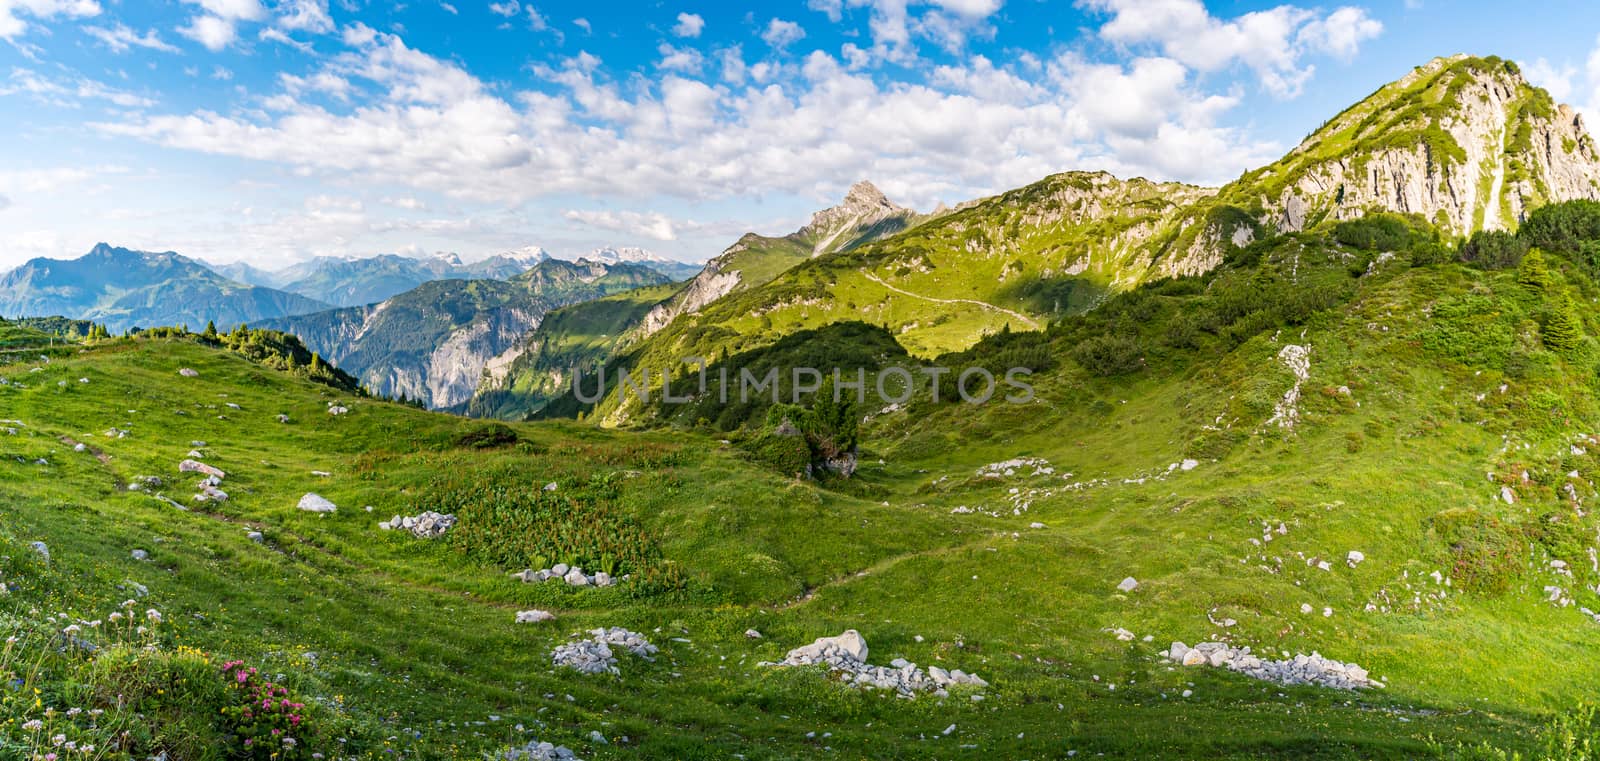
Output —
(123, 289)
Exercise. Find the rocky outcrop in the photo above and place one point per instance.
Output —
(1302, 669)
(864, 208)
(846, 655)
(1493, 148)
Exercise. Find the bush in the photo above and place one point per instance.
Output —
(1488, 554)
(1109, 355)
(1375, 232)
(788, 455)
(1494, 250)
(1563, 329)
(491, 436)
(1429, 253)
(1562, 227)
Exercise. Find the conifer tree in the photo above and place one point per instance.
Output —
(1563, 329)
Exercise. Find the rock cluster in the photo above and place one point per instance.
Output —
(194, 466)
(595, 655)
(573, 576)
(427, 525)
(337, 409)
(540, 751)
(1310, 669)
(847, 654)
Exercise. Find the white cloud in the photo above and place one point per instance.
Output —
(780, 33)
(1341, 33)
(1270, 42)
(508, 8)
(689, 25)
(833, 9)
(650, 225)
(805, 128)
(1558, 80)
(583, 23)
(5, 203)
(685, 59)
(450, 9)
(68, 93)
(274, 34)
(305, 16)
(12, 24)
(120, 38)
(214, 32)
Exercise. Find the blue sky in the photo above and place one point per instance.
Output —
(271, 131)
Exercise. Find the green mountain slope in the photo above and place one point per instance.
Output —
(124, 289)
(986, 538)
(1464, 143)
(864, 215)
(434, 343)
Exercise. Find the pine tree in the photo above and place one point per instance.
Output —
(211, 331)
(1534, 272)
(1563, 329)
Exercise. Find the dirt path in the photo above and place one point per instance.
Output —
(986, 305)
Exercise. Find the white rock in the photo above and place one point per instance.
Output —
(140, 555)
(188, 373)
(1128, 584)
(534, 616)
(316, 503)
(1354, 558)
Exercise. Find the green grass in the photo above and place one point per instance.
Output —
(415, 640)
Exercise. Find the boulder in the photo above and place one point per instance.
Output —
(188, 373)
(195, 466)
(534, 616)
(316, 503)
(1128, 585)
(141, 555)
(42, 549)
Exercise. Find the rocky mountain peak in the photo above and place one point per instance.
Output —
(1463, 141)
(863, 206)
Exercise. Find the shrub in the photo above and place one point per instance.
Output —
(1375, 232)
(1488, 555)
(1494, 250)
(788, 455)
(491, 436)
(1562, 227)
(1534, 272)
(1563, 329)
(1109, 355)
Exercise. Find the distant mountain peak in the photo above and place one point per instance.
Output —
(863, 206)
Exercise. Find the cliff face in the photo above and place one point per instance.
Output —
(435, 343)
(1465, 142)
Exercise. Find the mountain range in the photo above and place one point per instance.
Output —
(434, 343)
(1463, 144)
(123, 289)
(586, 334)
(1306, 467)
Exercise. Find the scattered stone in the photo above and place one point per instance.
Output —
(1508, 495)
(195, 466)
(752, 634)
(1128, 585)
(539, 751)
(141, 555)
(572, 575)
(80, 447)
(188, 373)
(256, 536)
(846, 654)
(1302, 669)
(233, 406)
(1189, 464)
(1354, 558)
(316, 503)
(534, 616)
(42, 549)
(427, 525)
(550, 486)
(283, 418)
(141, 483)
(594, 655)
(337, 410)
